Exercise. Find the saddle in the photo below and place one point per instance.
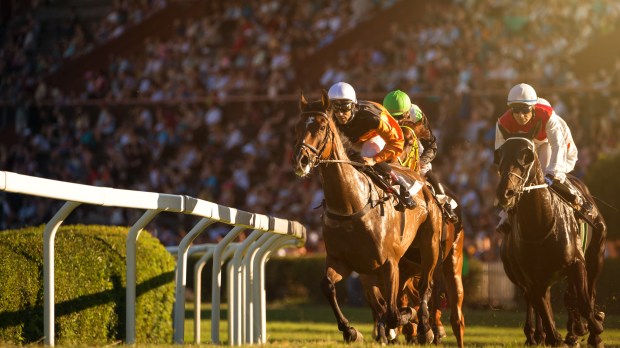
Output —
(391, 186)
(383, 180)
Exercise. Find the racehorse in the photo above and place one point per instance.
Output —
(451, 265)
(362, 231)
(545, 242)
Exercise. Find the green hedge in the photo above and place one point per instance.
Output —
(89, 286)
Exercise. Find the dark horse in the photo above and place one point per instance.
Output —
(545, 243)
(362, 231)
(449, 280)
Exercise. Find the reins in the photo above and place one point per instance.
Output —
(318, 160)
(353, 163)
(317, 152)
(525, 179)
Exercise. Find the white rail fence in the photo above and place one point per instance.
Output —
(495, 288)
(245, 271)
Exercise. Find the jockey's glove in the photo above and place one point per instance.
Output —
(549, 179)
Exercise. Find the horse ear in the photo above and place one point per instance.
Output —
(325, 99)
(303, 103)
(532, 133)
(505, 133)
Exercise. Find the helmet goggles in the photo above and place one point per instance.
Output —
(342, 105)
(520, 108)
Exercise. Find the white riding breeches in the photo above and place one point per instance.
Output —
(372, 146)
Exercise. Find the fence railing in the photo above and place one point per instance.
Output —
(269, 234)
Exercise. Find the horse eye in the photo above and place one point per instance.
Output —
(323, 128)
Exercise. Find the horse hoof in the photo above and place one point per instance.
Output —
(595, 341)
(351, 335)
(600, 316)
(410, 333)
(359, 337)
(440, 331)
(572, 343)
(407, 315)
(581, 329)
(391, 335)
(381, 336)
(428, 337)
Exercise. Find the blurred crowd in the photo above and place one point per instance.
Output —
(238, 154)
(25, 56)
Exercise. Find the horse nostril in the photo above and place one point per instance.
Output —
(509, 193)
(304, 160)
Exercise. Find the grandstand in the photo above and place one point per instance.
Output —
(199, 97)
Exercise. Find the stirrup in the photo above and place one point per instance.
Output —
(450, 214)
(405, 198)
(586, 208)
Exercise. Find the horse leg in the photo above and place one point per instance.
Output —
(574, 325)
(595, 255)
(578, 278)
(435, 310)
(375, 300)
(333, 274)
(389, 272)
(528, 327)
(540, 336)
(540, 300)
(410, 300)
(453, 280)
(429, 258)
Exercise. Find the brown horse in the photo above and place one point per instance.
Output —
(450, 279)
(545, 243)
(362, 231)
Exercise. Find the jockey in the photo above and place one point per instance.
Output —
(555, 147)
(373, 132)
(399, 105)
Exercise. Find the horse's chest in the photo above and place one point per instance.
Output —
(358, 248)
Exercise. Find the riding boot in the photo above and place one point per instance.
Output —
(570, 193)
(439, 192)
(405, 196)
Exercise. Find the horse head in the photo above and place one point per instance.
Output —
(518, 166)
(314, 134)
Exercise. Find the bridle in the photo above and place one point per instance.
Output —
(527, 178)
(329, 137)
(316, 159)
(523, 188)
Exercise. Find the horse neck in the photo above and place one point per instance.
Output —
(535, 208)
(344, 187)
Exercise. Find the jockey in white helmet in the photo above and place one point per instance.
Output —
(555, 147)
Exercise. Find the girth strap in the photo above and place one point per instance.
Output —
(340, 217)
(370, 205)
